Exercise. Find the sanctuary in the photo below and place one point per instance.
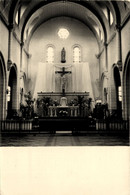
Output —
(67, 89)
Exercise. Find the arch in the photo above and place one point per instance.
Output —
(115, 91)
(92, 29)
(14, 5)
(104, 88)
(36, 5)
(117, 80)
(12, 83)
(2, 87)
(126, 87)
(23, 86)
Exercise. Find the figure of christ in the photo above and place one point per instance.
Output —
(63, 79)
(63, 84)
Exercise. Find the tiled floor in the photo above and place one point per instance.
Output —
(63, 140)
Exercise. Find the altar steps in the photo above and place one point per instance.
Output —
(63, 132)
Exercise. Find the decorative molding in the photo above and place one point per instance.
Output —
(111, 38)
(119, 64)
(105, 74)
(4, 20)
(9, 64)
(125, 20)
(99, 54)
(10, 26)
(22, 74)
(28, 55)
(106, 44)
(16, 37)
(117, 27)
(21, 43)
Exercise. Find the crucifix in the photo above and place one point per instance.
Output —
(63, 78)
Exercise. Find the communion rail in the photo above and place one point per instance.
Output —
(15, 125)
(57, 124)
(112, 125)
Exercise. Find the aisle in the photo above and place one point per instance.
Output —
(63, 140)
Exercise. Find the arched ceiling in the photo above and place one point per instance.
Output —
(32, 13)
(40, 12)
(58, 9)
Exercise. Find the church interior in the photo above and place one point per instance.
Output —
(64, 63)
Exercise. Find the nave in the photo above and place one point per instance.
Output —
(63, 139)
(64, 60)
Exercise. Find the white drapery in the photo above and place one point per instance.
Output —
(45, 78)
(78, 81)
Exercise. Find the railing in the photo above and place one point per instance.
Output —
(112, 125)
(15, 125)
(97, 125)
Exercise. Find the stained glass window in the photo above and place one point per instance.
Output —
(63, 33)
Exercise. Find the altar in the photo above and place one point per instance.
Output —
(56, 105)
(63, 110)
(60, 111)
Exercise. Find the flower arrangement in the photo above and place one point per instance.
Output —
(27, 109)
(63, 113)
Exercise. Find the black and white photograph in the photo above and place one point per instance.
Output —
(64, 97)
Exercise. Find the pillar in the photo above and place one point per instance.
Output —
(9, 62)
(119, 62)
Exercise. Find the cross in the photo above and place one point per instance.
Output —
(63, 72)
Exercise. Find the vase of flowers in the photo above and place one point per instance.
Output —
(63, 113)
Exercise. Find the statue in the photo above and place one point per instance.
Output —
(63, 81)
(63, 54)
(63, 84)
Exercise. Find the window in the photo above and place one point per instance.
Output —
(63, 33)
(110, 17)
(17, 17)
(120, 93)
(76, 54)
(50, 54)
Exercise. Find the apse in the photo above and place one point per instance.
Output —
(80, 48)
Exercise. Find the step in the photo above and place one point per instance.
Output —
(63, 132)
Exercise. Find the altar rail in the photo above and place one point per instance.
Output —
(40, 125)
(112, 125)
(15, 125)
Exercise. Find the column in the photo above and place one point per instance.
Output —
(71, 111)
(75, 111)
(51, 111)
(119, 62)
(55, 112)
(106, 59)
(9, 62)
(21, 53)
